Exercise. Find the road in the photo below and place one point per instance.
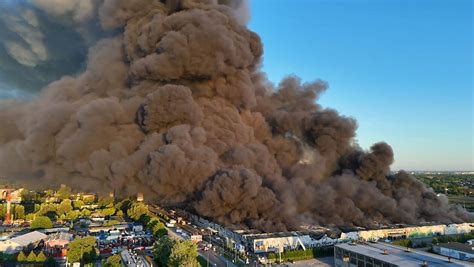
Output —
(210, 255)
(129, 261)
(214, 258)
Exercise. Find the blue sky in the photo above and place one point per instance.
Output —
(402, 68)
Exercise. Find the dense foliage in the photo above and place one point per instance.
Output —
(452, 184)
(82, 250)
(41, 222)
(301, 254)
(174, 253)
(114, 261)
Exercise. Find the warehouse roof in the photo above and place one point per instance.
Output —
(458, 246)
(26, 239)
(399, 256)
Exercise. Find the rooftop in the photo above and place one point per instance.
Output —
(60, 236)
(29, 238)
(399, 256)
(458, 246)
(274, 235)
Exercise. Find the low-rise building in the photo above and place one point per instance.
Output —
(275, 242)
(455, 250)
(196, 238)
(415, 231)
(15, 194)
(378, 254)
(26, 241)
(56, 244)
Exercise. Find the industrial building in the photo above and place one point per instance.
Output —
(316, 236)
(279, 242)
(57, 243)
(406, 231)
(456, 250)
(385, 255)
(26, 241)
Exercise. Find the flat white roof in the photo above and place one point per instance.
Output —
(26, 239)
(399, 256)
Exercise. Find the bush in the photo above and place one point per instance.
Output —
(31, 257)
(21, 257)
(403, 243)
(114, 261)
(41, 257)
(300, 254)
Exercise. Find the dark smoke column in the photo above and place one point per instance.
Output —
(175, 106)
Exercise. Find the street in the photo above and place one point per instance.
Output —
(130, 260)
(210, 255)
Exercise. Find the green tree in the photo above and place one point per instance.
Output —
(159, 230)
(72, 215)
(184, 253)
(88, 199)
(162, 250)
(86, 213)
(19, 212)
(137, 210)
(41, 257)
(114, 261)
(28, 196)
(78, 204)
(65, 206)
(21, 257)
(124, 205)
(49, 193)
(108, 211)
(31, 257)
(105, 202)
(64, 192)
(41, 222)
(49, 210)
(30, 217)
(82, 249)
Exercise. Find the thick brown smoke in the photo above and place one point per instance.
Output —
(173, 104)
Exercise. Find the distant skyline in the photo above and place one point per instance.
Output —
(402, 69)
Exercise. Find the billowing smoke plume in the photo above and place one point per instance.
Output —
(173, 104)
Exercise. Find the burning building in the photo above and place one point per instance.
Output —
(172, 103)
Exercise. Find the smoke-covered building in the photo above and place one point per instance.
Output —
(279, 242)
(399, 232)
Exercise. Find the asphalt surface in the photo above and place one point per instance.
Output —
(139, 262)
(214, 258)
(210, 255)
